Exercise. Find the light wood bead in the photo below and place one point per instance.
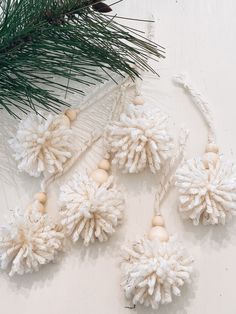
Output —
(158, 221)
(138, 101)
(100, 176)
(40, 208)
(212, 148)
(41, 197)
(58, 227)
(65, 120)
(40, 156)
(107, 156)
(159, 233)
(29, 208)
(104, 164)
(210, 158)
(71, 114)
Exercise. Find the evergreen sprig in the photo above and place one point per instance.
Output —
(44, 39)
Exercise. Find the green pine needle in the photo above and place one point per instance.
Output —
(44, 39)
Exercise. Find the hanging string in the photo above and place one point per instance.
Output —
(120, 101)
(150, 34)
(201, 104)
(169, 171)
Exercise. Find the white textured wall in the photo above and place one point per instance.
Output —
(200, 38)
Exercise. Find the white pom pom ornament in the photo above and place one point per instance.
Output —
(139, 138)
(207, 184)
(207, 195)
(42, 145)
(154, 271)
(90, 210)
(28, 241)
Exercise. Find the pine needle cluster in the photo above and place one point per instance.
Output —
(71, 39)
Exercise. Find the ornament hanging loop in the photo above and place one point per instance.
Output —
(200, 103)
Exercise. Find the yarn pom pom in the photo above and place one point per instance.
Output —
(207, 195)
(138, 139)
(27, 242)
(90, 211)
(154, 271)
(42, 145)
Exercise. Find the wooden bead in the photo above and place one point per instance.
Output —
(40, 207)
(65, 120)
(138, 101)
(29, 208)
(41, 156)
(58, 227)
(104, 164)
(159, 233)
(212, 148)
(107, 156)
(41, 197)
(210, 158)
(100, 176)
(148, 133)
(158, 221)
(71, 114)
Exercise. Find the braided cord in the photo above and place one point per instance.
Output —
(169, 171)
(201, 104)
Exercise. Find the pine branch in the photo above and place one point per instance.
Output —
(44, 39)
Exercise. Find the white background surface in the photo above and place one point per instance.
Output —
(199, 37)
